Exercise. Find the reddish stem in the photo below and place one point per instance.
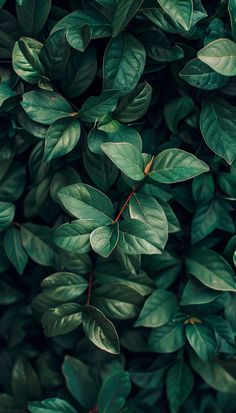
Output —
(124, 206)
(16, 224)
(93, 410)
(89, 291)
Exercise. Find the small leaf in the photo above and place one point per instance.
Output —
(203, 340)
(125, 10)
(7, 212)
(62, 319)
(64, 286)
(176, 165)
(74, 236)
(113, 393)
(126, 157)
(14, 250)
(179, 383)
(25, 60)
(55, 404)
(100, 330)
(179, 10)
(104, 239)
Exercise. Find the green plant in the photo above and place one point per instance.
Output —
(117, 206)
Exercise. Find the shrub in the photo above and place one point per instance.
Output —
(117, 199)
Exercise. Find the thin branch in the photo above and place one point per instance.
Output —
(89, 291)
(124, 206)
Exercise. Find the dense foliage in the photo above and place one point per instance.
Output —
(117, 206)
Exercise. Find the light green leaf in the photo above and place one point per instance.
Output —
(203, 340)
(113, 393)
(158, 309)
(123, 64)
(14, 250)
(100, 330)
(211, 269)
(74, 236)
(147, 209)
(126, 157)
(104, 239)
(125, 10)
(61, 138)
(137, 237)
(45, 107)
(220, 55)
(62, 319)
(64, 286)
(7, 212)
(85, 202)
(25, 59)
(55, 404)
(218, 127)
(180, 11)
(176, 165)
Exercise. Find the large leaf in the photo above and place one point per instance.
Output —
(123, 64)
(100, 330)
(179, 10)
(176, 165)
(202, 76)
(45, 107)
(169, 337)
(218, 127)
(25, 59)
(32, 15)
(137, 237)
(62, 136)
(203, 340)
(54, 54)
(86, 202)
(211, 269)
(220, 55)
(124, 12)
(126, 157)
(62, 319)
(79, 382)
(158, 309)
(64, 286)
(113, 393)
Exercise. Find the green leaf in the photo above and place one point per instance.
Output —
(74, 236)
(25, 59)
(24, 382)
(62, 319)
(211, 269)
(176, 110)
(61, 138)
(179, 383)
(104, 239)
(232, 11)
(148, 210)
(86, 202)
(176, 165)
(124, 12)
(134, 105)
(95, 107)
(7, 212)
(100, 330)
(158, 309)
(45, 107)
(55, 54)
(79, 382)
(180, 11)
(137, 237)
(117, 300)
(202, 76)
(218, 127)
(123, 64)
(14, 250)
(32, 15)
(126, 157)
(169, 337)
(79, 72)
(114, 392)
(64, 286)
(9, 294)
(203, 340)
(79, 37)
(36, 240)
(51, 405)
(220, 55)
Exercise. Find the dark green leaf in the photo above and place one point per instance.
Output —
(62, 319)
(113, 393)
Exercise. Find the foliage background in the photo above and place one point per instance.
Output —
(108, 109)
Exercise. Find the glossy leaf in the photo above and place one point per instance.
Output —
(220, 55)
(62, 319)
(114, 391)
